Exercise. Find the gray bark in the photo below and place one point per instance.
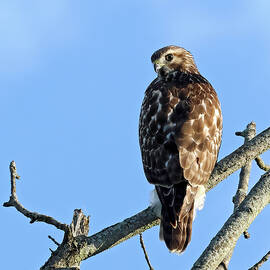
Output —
(114, 235)
(249, 133)
(239, 158)
(78, 247)
(239, 221)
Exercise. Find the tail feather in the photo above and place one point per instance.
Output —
(178, 238)
(177, 232)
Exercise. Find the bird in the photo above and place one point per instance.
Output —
(180, 129)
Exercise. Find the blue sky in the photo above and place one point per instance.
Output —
(72, 79)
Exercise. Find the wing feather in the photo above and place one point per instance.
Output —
(199, 138)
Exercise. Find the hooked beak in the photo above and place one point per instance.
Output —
(161, 69)
(157, 66)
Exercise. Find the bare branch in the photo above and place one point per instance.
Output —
(146, 219)
(13, 201)
(261, 262)
(145, 253)
(75, 249)
(242, 189)
(71, 253)
(67, 256)
(239, 221)
(239, 158)
(261, 164)
(249, 133)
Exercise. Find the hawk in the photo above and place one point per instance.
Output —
(180, 134)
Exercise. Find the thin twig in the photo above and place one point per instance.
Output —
(145, 253)
(50, 237)
(261, 164)
(13, 201)
(260, 263)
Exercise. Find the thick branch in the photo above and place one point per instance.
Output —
(67, 254)
(83, 247)
(239, 221)
(13, 201)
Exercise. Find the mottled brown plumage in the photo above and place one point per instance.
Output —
(180, 134)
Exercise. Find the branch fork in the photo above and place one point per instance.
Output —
(78, 227)
(77, 246)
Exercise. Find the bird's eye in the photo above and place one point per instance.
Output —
(169, 57)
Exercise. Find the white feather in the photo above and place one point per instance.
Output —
(155, 203)
(199, 199)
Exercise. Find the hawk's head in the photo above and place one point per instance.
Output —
(173, 58)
